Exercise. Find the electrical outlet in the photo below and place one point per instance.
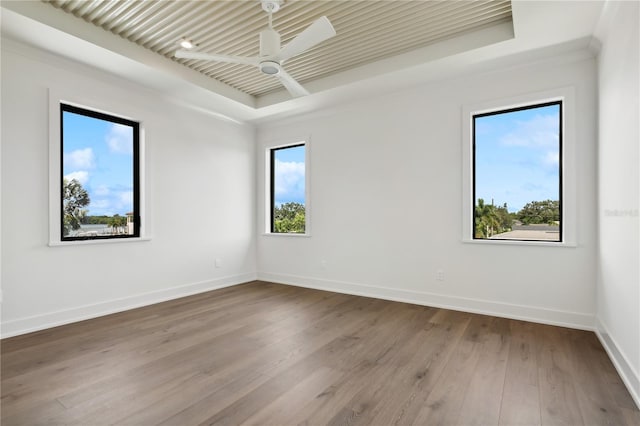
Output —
(218, 263)
(323, 264)
(439, 275)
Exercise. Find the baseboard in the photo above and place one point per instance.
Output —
(629, 376)
(478, 306)
(81, 313)
(526, 313)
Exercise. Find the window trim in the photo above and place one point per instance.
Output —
(100, 107)
(66, 107)
(474, 116)
(567, 168)
(270, 189)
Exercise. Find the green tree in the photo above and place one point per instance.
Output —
(289, 217)
(74, 199)
(96, 220)
(505, 218)
(547, 211)
(491, 220)
(116, 222)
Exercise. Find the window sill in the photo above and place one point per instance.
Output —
(94, 242)
(564, 244)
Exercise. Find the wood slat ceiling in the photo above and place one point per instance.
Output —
(367, 30)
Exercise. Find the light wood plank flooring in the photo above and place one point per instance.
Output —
(268, 354)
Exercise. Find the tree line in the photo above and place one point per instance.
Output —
(491, 220)
(104, 220)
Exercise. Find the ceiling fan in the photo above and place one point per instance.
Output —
(272, 56)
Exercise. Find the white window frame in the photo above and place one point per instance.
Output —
(267, 188)
(55, 145)
(568, 156)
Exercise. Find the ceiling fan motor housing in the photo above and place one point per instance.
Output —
(269, 42)
(270, 67)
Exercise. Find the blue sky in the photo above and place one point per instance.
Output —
(99, 154)
(517, 157)
(289, 174)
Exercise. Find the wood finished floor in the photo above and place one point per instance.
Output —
(269, 354)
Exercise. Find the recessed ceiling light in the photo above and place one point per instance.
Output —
(186, 43)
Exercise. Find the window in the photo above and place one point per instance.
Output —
(517, 173)
(288, 189)
(99, 175)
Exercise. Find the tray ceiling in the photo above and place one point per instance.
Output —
(367, 31)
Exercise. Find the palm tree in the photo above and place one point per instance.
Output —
(74, 198)
(487, 220)
(116, 222)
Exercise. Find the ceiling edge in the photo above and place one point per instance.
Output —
(453, 46)
(82, 31)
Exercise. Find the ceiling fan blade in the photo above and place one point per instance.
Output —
(187, 54)
(315, 33)
(291, 84)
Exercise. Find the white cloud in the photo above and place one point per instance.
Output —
(539, 131)
(289, 180)
(112, 201)
(79, 159)
(120, 139)
(81, 176)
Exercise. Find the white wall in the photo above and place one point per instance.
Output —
(200, 186)
(386, 203)
(618, 286)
